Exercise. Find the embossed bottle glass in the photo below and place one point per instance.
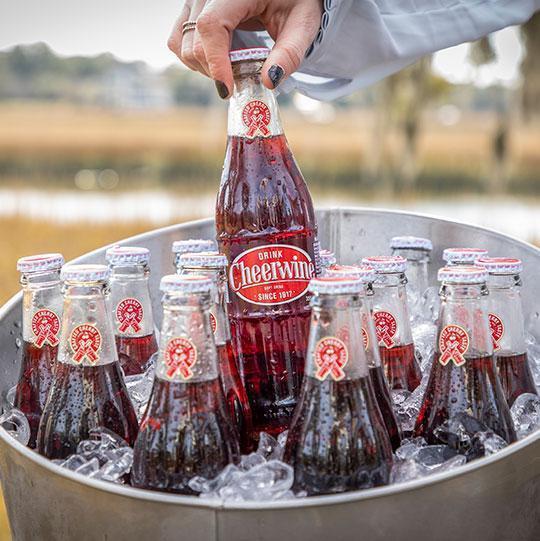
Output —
(266, 227)
(42, 314)
(463, 377)
(88, 389)
(131, 307)
(507, 325)
(337, 440)
(186, 430)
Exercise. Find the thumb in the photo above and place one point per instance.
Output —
(291, 44)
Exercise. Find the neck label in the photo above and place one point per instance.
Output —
(180, 357)
(453, 344)
(331, 356)
(256, 117)
(85, 341)
(386, 328)
(497, 330)
(129, 314)
(45, 326)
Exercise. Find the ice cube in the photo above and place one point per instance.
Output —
(487, 443)
(267, 445)
(526, 414)
(88, 468)
(16, 425)
(249, 461)
(409, 448)
(9, 399)
(139, 387)
(458, 431)
(424, 338)
(118, 465)
(74, 462)
(432, 457)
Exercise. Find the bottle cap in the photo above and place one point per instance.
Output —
(335, 285)
(40, 263)
(361, 272)
(192, 246)
(386, 263)
(84, 273)
(255, 53)
(203, 259)
(409, 242)
(500, 265)
(191, 283)
(328, 258)
(463, 255)
(127, 255)
(464, 274)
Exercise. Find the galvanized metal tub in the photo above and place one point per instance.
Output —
(497, 497)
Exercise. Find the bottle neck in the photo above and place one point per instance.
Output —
(463, 323)
(87, 337)
(335, 350)
(42, 308)
(506, 317)
(187, 351)
(390, 310)
(417, 268)
(130, 301)
(253, 109)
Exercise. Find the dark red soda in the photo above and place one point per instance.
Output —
(82, 398)
(235, 396)
(37, 367)
(134, 352)
(337, 440)
(472, 388)
(384, 400)
(401, 366)
(185, 432)
(515, 375)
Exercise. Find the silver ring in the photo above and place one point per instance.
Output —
(188, 25)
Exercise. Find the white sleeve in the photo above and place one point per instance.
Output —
(363, 41)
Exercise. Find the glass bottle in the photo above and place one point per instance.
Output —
(463, 256)
(191, 246)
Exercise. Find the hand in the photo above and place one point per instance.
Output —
(292, 24)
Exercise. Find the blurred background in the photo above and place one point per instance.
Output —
(103, 134)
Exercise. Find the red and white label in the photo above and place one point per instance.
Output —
(331, 356)
(45, 326)
(213, 323)
(180, 357)
(386, 328)
(85, 341)
(271, 274)
(497, 329)
(129, 314)
(256, 118)
(453, 344)
(365, 338)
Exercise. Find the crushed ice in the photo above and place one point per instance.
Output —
(16, 425)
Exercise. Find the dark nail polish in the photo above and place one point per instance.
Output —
(222, 90)
(276, 73)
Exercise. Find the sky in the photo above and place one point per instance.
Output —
(138, 30)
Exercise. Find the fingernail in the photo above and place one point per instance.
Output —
(222, 90)
(276, 73)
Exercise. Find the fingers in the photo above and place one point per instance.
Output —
(192, 52)
(292, 41)
(175, 39)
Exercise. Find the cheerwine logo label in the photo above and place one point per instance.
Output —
(497, 330)
(331, 356)
(85, 341)
(271, 274)
(365, 338)
(453, 344)
(180, 357)
(385, 327)
(213, 323)
(45, 326)
(256, 118)
(129, 314)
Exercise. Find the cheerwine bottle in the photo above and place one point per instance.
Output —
(463, 377)
(191, 246)
(266, 227)
(337, 440)
(42, 314)
(327, 259)
(463, 256)
(131, 307)
(88, 389)
(186, 430)
(369, 340)
(214, 266)
(392, 323)
(507, 325)
(417, 252)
